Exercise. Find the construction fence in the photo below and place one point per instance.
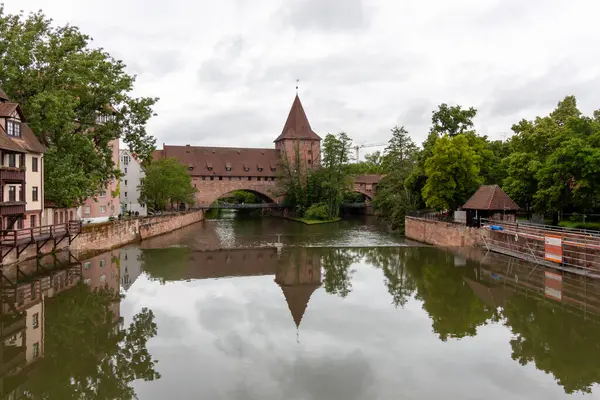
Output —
(568, 249)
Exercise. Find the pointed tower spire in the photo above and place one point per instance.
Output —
(297, 125)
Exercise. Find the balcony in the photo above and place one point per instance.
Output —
(12, 208)
(10, 174)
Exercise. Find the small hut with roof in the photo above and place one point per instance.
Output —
(490, 202)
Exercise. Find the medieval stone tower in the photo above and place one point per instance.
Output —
(297, 141)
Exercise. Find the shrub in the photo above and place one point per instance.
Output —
(317, 211)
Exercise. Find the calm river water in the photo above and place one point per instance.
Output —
(345, 311)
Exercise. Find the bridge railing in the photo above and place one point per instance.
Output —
(236, 206)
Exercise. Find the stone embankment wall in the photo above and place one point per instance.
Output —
(439, 233)
(117, 233)
(110, 235)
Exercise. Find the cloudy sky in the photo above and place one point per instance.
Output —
(225, 70)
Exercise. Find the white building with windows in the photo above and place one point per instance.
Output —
(130, 181)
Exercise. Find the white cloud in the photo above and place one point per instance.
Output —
(225, 71)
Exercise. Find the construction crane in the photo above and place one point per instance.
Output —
(364, 146)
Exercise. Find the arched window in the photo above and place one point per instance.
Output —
(55, 221)
(71, 215)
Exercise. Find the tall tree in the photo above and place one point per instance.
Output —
(167, 182)
(76, 98)
(400, 151)
(452, 173)
(554, 166)
(336, 182)
(452, 120)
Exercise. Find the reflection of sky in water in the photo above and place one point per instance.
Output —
(235, 339)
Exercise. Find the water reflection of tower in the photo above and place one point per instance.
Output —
(299, 276)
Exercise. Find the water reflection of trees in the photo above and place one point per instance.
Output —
(337, 273)
(557, 341)
(87, 353)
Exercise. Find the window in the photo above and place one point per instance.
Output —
(273, 169)
(125, 182)
(12, 160)
(203, 178)
(103, 193)
(220, 178)
(125, 194)
(126, 160)
(34, 194)
(102, 263)
(212, 178)
(87, 264)
(32, 221)
(35, 320)
(194, 186)
(125, 169)
(13, 128)
(260, 169)
(102, 278)
(272, 178)
(209, 168)
(87, 281)
(20, 223)
(86, 210)
(34, 164)
(310, 152)
(12, 193)
(228, 168)
(229, 178)
(309, 161)
(246, 168)
(240, 178)
(36, 349)
(249, 178)
(102, 209)
(258, 178)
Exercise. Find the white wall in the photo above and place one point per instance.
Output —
(33, 179)
(132, 175)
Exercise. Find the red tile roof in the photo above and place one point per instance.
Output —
(7, 109)
(3, 95)
(242, 161)
(492, 198)
(297, 125)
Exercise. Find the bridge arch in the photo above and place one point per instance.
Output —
(207, 192)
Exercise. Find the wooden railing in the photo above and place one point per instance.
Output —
(12, 237)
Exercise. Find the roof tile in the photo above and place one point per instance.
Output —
(297, 125)
(491, 198)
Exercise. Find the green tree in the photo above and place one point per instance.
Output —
(452, 120)
(166, 182)
(400, 152)
(373, 164)
(243, 196)
(77, 99)
(452, 173)
(334, 171)
(553, 166)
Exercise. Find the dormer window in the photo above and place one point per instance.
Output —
(246, 168)
(13, 128)
(260, 169)
(209, 168)
(227, 166)
(273, 169)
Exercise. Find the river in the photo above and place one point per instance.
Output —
(220, 310)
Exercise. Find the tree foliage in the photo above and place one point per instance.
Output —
(554, 164)
(166, 182)
(452, 173)
(78, 99)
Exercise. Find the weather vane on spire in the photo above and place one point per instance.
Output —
(297, 80)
